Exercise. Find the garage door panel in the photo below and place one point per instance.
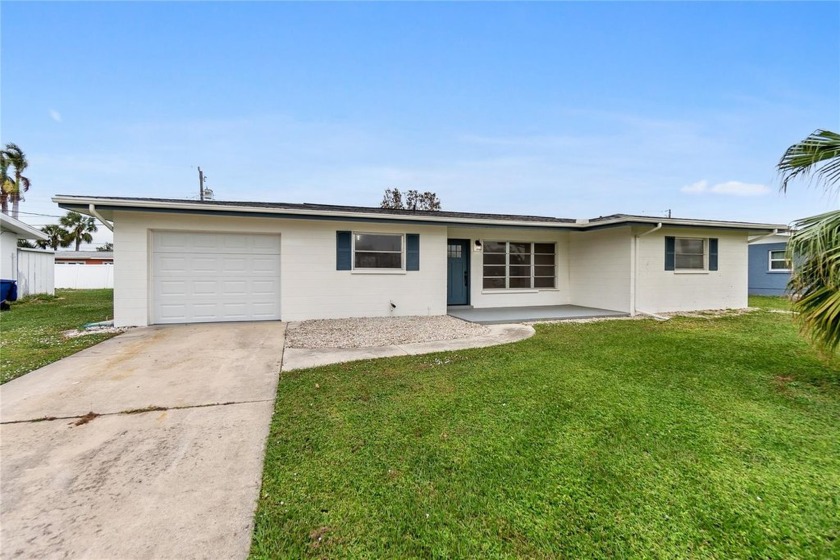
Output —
(207, 277)
(263, 287)
(235, 288)
(206, 311)
(205, 288)
(172, 288)
(234, 264)
(265, 264)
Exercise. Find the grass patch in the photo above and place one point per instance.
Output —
(780, 303)
(32, 329)
(695, 437)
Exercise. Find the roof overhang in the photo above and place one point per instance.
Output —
(22, 230)
(107, 206)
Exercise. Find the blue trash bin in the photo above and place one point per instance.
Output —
(8, 290)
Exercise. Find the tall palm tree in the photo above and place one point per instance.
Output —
(6, 185)
(17, 159)
(79, 228)
(814, 247)
(57, 237)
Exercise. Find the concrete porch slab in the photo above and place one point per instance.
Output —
(500, 315)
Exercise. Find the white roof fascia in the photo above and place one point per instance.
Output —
(23, 231)
(580, 224)
(153, 204)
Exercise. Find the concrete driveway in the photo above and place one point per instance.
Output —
(170, 467)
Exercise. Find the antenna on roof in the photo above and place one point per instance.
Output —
(203, 192)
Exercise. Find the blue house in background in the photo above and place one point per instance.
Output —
(769, 270)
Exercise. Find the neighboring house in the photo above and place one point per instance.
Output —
(32, 269)
(183, 261)
(84, 257)
(769, 268)
(84, 270)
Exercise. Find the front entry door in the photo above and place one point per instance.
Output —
(458, 272)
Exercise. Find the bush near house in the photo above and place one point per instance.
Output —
(699, 437)
(32, 330)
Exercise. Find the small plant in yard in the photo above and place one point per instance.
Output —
(696, 437)
(32, 331)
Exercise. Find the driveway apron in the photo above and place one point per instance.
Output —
(169, 463)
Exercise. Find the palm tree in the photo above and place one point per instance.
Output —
(814, 247)
(6, 184)
(79, 228)
(58, 237)
(17, 159)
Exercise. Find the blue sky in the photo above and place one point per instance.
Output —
(561, 109)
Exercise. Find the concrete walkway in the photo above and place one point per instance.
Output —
(171, 467)
(299, 358)
(502, 315)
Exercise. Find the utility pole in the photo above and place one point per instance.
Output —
(201, 183)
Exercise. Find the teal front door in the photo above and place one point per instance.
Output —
(458, 272)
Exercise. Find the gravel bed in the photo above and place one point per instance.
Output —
(378, 331)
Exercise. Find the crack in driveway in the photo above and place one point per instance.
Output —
(151, 408)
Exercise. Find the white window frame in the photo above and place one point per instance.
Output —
(771, 260)
(378, 269)
(705, 266)
(507, 266)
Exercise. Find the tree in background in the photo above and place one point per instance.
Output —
(15, 158)
(79, 228)
(414, 200)
(814, 247)
(107, 247)
(57, 237)
(26, 244)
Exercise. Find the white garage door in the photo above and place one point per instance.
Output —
(208, 277)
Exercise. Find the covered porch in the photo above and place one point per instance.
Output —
(499, 315)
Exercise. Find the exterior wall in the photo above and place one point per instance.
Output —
(84, 276)
(8, 255)
(480, 297)
(601, 268)
(35, 272)
(310, 285)
(658, 290)
(762, 280)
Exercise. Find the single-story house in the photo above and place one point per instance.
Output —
(31, 269)
(769, 267)
(84, 257)
(184, 261)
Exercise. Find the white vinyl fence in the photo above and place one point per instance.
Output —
(84, 276)
(35, 272)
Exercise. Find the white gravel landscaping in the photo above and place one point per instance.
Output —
(378, 331)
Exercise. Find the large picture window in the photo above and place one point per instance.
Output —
(516, 265)
(377, 250)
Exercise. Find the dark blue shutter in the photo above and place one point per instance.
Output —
(670, 253)
(412, 251)
(343, 250)
(713, 254)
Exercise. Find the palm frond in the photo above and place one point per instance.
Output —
(818, 155)
(815, 251)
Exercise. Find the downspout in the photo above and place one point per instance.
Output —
(765, 236)
(97, 215)
(633, 310)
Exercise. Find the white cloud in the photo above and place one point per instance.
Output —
(698, 187)
(731, 188)
(55, 115)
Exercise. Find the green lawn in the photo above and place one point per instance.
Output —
(32, 330)
(691, 438)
